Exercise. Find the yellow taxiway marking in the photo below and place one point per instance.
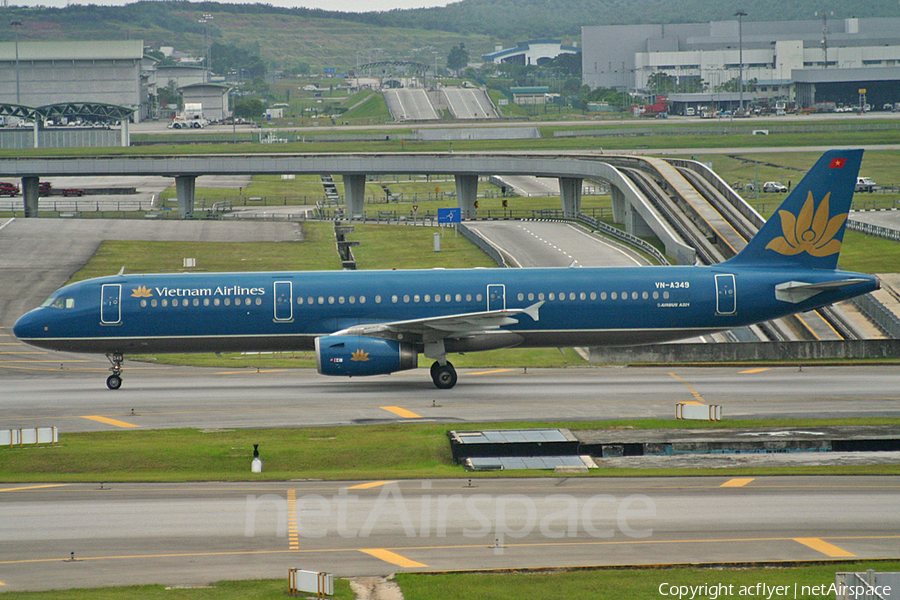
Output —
(401, 412)
(752, 371)
(392, 557)
(293, 533)
(492, 372)
(690, 388)
(33, 487)
(370, 485)
(108, 421)
(737, 482)
(824, 547)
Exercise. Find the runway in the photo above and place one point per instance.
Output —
(194, 534)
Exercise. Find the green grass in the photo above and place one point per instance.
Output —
(869, 254)
(628, 583)
(316, 251)
(406, 450)
(260, 589)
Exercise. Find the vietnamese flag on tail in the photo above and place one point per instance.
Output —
(837, 163)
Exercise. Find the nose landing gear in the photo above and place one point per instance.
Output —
(114, 381)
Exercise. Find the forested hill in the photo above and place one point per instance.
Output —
(499, 19)
(532, 19)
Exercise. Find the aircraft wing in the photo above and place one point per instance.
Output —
(431, 329)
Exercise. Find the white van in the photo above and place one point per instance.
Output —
(865, 184)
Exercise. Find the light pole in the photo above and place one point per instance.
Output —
(740, 15)
(205, 20)
(15, 25)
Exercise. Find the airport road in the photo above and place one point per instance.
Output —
(197, 533)
(540, 244)
(36, 393)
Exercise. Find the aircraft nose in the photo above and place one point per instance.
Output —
(29, 326)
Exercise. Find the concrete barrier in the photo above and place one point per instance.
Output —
(746, 351)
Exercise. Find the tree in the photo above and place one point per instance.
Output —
(660, 83)
(458, 59)
(249, 108)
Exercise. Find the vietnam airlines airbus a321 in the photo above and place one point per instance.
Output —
(378, 322)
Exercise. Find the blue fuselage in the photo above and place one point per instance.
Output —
(288, 310)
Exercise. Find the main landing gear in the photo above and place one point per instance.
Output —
(444, 376)
(114, 381)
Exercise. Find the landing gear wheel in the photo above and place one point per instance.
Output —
(444, 376)
(114, 381)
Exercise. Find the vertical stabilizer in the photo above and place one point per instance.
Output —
(808, 228)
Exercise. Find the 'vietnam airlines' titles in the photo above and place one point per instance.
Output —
(217, 291)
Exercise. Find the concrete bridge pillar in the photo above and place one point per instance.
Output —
(355, 194)
(570, 191)
(635, 223)
(618, 204)
(30, 194)
(184, 189)
(467, 194)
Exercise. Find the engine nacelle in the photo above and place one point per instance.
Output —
(353, 355)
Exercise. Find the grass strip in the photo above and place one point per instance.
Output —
(637, 583)
(385, 451)
(257, 589)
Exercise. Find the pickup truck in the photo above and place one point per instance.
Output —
(8, 189)
(865, 184)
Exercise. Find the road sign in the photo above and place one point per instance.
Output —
(449, 215)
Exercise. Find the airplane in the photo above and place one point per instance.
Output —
(378, 322)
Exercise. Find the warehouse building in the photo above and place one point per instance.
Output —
(807, 61)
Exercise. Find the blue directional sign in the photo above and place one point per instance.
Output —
(449, 215)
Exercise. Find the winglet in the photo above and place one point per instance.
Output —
(532, 311)
(808, 229)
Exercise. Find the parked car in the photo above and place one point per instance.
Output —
(70, 192)
(773, 187)
(865, 184)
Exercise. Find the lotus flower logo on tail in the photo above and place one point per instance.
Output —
(812, 231)
(141, 292)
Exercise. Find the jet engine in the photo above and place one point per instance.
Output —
(353, 355)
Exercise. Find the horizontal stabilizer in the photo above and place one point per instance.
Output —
(798, 291)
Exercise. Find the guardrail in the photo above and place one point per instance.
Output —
(877, 230)
(879, 314)
(481, 244)
(623, 236)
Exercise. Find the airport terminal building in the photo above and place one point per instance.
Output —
(804, 61)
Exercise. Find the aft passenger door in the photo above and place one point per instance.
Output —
(284, 305)
(726, 298)
(111, 304)
(496, 296)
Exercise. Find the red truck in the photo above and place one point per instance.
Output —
(8, 189)
(659, 108)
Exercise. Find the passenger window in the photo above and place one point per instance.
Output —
(581, 296)
(405, 298)
(614, 296)
(321, 299)
(340, 299)
(551, 296)
(216, 302)
(634, 295)
(645, 295)
(478, 297)
(352, 299)
(259, 301)
(603, 295)
(530, 297)
(330, 299)
(237, 301)
(521, 297)
(593, 295)
(394, 299)
(656, 295)
(665, 295)
(447, 298)
(541, 296)
(310, 300)
(143, 304)
(226, 301)
(164, 303)
(416, 298)
(571, 295)
(468, 297)
(153, 303)
(459, 297)
(196, 302)
(299, 299)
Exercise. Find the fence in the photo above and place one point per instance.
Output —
(30, 436)
(877, 230)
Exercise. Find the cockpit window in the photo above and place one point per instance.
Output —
(60, 302)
